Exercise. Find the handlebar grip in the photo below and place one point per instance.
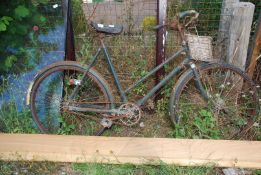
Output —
(188, 13)
(158, 26)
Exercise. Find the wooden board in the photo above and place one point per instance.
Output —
(119, 150)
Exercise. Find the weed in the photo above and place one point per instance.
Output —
(85, 50)
(257, 172)
(65, 128)
(161, 169)
(138, 73)
(206, 125)
(14, 121)
(178, 132)
(162, 107)
(148, 23)
(25, 168)
(79, 21)
(202, 126)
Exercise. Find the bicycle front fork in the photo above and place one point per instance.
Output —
(198, 81)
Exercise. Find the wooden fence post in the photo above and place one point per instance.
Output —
(256, 49)
(224, 25)
(239, 33)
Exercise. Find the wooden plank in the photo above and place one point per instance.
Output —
(256, 49)
(239, 33)
(117, 150)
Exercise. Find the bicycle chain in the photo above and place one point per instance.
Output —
(97, 119)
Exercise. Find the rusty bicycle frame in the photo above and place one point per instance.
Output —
(123, 93)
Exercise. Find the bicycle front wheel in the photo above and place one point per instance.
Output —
(49, 99)
(230, 112)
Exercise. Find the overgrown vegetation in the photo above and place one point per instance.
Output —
(25, 168)
(127, 169)
(14, 120)
(131, 62)
(21, 21)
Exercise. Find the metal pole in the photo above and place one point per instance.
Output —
(70, 49)
(161, 38)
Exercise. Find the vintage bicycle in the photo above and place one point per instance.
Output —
(68, 94)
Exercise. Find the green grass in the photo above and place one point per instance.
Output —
(29, 168)
(21, 122)
(12, 121)
(128, 169)
(25, 168)
(50, 168)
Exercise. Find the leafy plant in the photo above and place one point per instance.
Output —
(14, 121)
(202, 126)
(139, 72)
(65, 128)
(162, 107)
(20, 22)
(4, 22)
(21, 12)
(206, 125)
(148, 23)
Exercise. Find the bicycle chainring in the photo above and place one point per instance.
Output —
(131, 112)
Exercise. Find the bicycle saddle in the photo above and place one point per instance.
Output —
(107, 29)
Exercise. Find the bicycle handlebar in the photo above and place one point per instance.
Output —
(192, 13)
(159, 26)
(189, 13)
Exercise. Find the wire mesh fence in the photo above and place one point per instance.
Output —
(136, 46)
(137, 15)
(133, 51)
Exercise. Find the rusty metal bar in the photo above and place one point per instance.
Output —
(161, 38)
(69, 46)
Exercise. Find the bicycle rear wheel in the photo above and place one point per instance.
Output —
(49, 99)
(231, 111)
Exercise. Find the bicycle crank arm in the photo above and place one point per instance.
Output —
(101, 131)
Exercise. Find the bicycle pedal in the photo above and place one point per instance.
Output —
(106, 123)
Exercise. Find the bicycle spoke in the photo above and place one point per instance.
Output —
(231, 103)
(51, 104)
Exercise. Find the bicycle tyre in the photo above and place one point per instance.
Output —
(230, 113)
(49, 92)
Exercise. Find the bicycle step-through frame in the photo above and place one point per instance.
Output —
(123, 93)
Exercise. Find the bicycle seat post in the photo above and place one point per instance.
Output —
(101, 37)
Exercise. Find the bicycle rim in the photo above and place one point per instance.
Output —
(49, 101)
(231, 111)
